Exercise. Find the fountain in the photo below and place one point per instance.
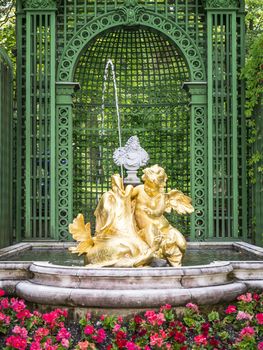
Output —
(131, 234)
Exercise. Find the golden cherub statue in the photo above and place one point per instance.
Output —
(130, 226)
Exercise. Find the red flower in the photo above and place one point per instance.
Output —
(259, 318)
(137, 319)
(205, 328)
(23, 314)
(256, 297)
(213, 341)
(16, 342)
(200, 339)
(101, 336)
(89, 329)
(2, 293)
(179, 337)
(247, 332)
(231, 309)
(260, 346)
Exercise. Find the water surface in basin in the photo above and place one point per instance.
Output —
(192, 257)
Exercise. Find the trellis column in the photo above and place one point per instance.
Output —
(40, 118)
(198, 156)
(222, 119)
(64, 161)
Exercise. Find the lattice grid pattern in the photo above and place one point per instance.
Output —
(6, 105)
(38, 125)
(73, 14)
(223, 139)
(150, 72)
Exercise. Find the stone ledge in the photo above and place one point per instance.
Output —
(127, 298)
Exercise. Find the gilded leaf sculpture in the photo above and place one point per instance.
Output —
(131, 228)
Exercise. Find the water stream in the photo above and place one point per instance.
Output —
(110, 64)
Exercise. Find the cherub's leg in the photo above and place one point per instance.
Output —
(151, 235)
(174, 246)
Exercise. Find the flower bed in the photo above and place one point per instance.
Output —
(239, 326)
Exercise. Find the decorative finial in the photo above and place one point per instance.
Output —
(132, 156)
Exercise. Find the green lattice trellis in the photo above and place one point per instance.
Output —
(208, 36)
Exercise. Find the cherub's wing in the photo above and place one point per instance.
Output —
(179, 202)
(81, 233)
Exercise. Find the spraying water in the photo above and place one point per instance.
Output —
(106, 73)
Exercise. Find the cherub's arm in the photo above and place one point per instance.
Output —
(135, 192)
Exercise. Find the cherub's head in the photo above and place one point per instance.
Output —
(155, 175)
(117, 183)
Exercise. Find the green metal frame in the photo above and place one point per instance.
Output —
(218, 175)
(6, 136)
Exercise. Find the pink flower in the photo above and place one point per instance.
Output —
(84, 345)
(88, 316)
(20, 331)
(165, 307)
(2, 293)
(4, 303)
(89, 329)
(193, 307)
(260, 346)
(41, 333)
(120, 319)
(131, 346)
(63, 334)
(35, 346)
(259, 318)
(155, 339)
(65, 343)
(116, 327)
(247, 332)
(243, 316)
(231, 309)
(247, 298)
(16, 342)
(17, 305)
(200, 339)
(2, 316)
(37, 313)
(151, 316)
(160, 318)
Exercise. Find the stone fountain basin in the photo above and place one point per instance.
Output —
(116, 288)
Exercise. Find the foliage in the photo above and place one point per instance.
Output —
(254, 20)
(239, 326)
(7, 29)
(253, 74)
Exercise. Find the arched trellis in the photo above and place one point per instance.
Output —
(140, 16)
(130, 15)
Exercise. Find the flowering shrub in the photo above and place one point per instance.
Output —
(239, 326)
